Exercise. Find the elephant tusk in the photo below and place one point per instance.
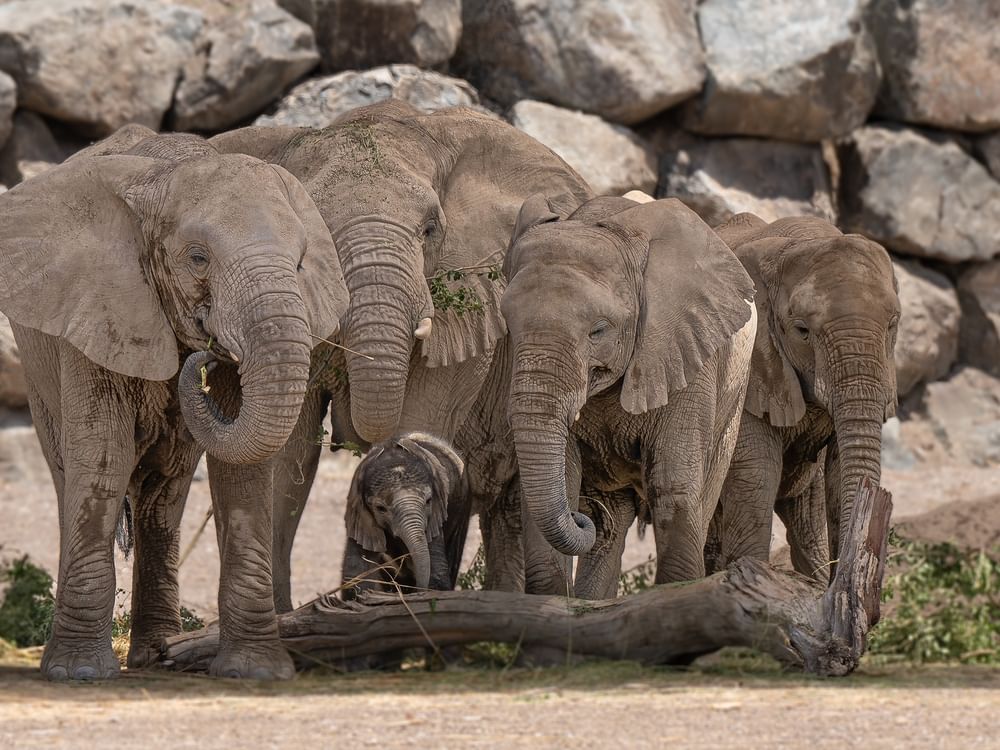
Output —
(577, 417)
(234, 358)
(423, 330)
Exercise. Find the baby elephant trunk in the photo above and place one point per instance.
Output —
(409, 524)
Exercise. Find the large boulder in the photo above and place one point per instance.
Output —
(979, 294)
(964, 415)
(918, 196)
(13, 391)
(246, 59)
(927, 341)
(97, 63)
(304, 10)
(319, 101)
(721, 177)
(8, 103)
(940, 62)
(784, 69)
(365, 33)
(31, 149)
(611, 158)
(624, 60)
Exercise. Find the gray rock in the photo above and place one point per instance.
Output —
(97, 63)
(31, 149)
(724, 176)
(319, 101)
(927, 342)
(918, 196)
(964, 412)
(940, 62)
(8, 103)
(624, 60)
(979, 295)
(246, 59)
(611, 158)
(784, 69)
(13, 390)
(355, 34)
(988, 148)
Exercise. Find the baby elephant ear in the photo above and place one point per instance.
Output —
(358, 518)
(70, 265)
(321, 279)
(535, 211)
(447, 474)
(695, 298)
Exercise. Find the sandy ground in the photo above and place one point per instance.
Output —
(592, 707)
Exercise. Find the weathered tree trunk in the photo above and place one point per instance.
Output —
(751, 604)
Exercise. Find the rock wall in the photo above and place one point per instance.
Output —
(881, 115)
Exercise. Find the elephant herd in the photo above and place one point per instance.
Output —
(454, 297)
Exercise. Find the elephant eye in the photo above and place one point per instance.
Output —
(198, 256)
(600, 327)
(430, 227)
(802, 329)
(380, 508)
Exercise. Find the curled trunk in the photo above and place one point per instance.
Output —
(273, 376)
(540, 423)
(409, 524)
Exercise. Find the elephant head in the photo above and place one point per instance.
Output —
(402, 489)
(624, 296)
(828, 310)
(133, 259)
(407, 195)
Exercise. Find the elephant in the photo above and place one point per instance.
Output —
(163, 297)
(822, 383)
(630, 330)
(407, 197)
(407, 498)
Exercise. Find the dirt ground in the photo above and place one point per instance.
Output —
(595, 706)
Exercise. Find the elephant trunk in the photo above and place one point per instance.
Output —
(539, 420)
(275, 346)
(859, 394)
(390, 303)
(409, 524)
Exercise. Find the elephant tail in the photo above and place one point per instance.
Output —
(125, 528)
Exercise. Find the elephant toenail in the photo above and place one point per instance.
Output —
(85, 673)
(58, 674)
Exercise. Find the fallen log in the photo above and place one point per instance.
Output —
(784, 614)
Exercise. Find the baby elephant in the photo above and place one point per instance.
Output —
(407, 498)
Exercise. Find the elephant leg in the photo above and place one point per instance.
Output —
(714, 558)
(805, 523)
(98, 451)
(599, 570)
(294, 472)
(745, 512)
(157, 508)
(441, 577)
(503, 541)
(248, 624)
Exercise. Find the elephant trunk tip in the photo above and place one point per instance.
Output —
(580, 535)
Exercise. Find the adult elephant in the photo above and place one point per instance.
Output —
(124, 276)
(823, 382)
(630, 333)
(406, 197)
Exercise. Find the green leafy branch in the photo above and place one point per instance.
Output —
(461, 299)
(347, 445)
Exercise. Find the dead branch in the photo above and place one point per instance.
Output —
(751, 604)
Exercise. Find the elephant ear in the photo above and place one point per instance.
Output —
(358, 518)
(321, 279)
(774, 392)
(695, 297)
(70, 264)
(447, 474)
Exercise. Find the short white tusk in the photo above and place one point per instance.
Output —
(577, 417)
(423, 330)
(234, 358)
(638, 196)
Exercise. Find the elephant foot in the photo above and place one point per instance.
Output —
(253, 663)
(144, 653)
(72, 660)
